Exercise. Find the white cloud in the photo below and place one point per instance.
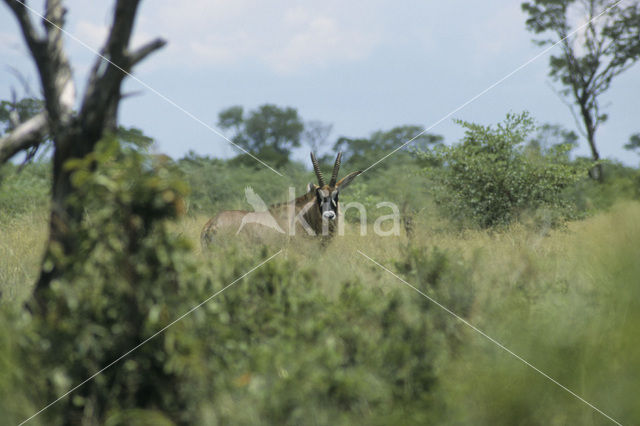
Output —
(286, 38)
(318, 41)
(90, 33)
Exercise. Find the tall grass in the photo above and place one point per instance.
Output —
(567, 300)
(22, 240)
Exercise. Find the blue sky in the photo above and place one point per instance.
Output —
(360, 65)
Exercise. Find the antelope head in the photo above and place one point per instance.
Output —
(327, 195)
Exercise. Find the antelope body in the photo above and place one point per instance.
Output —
(316, 212)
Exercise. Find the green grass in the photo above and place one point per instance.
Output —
(566, 300)
(22, 240)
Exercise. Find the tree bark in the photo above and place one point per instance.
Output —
(590, 128)
(74, 135)
(596, 171)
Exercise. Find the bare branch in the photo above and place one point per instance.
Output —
(142, 52)
(26, 135)
(103, 91)
(579, 125)
(51, 61)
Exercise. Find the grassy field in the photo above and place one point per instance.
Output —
(566, 300)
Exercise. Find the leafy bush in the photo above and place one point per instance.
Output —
(281, 349)
(490, 177)
(118, 288)
(620, 183)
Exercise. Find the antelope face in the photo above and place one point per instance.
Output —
(327, 195)
(327, 199)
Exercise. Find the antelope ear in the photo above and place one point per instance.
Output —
(345, 181)
(311, 187)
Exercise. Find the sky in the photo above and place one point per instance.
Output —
(361, 66)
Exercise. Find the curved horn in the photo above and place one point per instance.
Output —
(336, 168)
(316, 168)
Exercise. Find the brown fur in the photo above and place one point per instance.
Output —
(234, 220)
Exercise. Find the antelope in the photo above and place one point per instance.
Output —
(317, 211)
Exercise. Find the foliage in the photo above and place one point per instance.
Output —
(552, 137)
(289, 350)
(623, 183)
(23, 110)
(121, 284)
(320, 333)
(411, 197)
(534, 296)
(133, 137)
(489, 178)
(611, 45)
(24, 189)
(282, 347)
(634, 143)
(268, 132)
(219, 185)
(363, 152)
(606, 46)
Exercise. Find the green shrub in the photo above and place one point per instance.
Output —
(281, 349)
(119, 287)
(620, 183)
(489, 178)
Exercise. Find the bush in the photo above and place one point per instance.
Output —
(281, 349)
(490, 177)
(620, 183)
(119, 287)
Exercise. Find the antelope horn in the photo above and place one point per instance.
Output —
(316, 168)
(336, 168)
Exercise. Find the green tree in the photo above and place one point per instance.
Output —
(490, 177)
(133, 137)
(607, 46)
(634, 143)
(269, 132)
(362, 152)
(549, 137)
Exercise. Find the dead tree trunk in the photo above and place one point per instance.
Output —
(74, 133)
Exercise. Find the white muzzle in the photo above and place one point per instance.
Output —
(329, 215)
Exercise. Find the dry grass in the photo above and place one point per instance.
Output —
(567, 300)
(22, 241)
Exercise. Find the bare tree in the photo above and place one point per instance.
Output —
(74, 133)
(589, 60)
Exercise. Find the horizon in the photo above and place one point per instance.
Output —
(361, 69)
